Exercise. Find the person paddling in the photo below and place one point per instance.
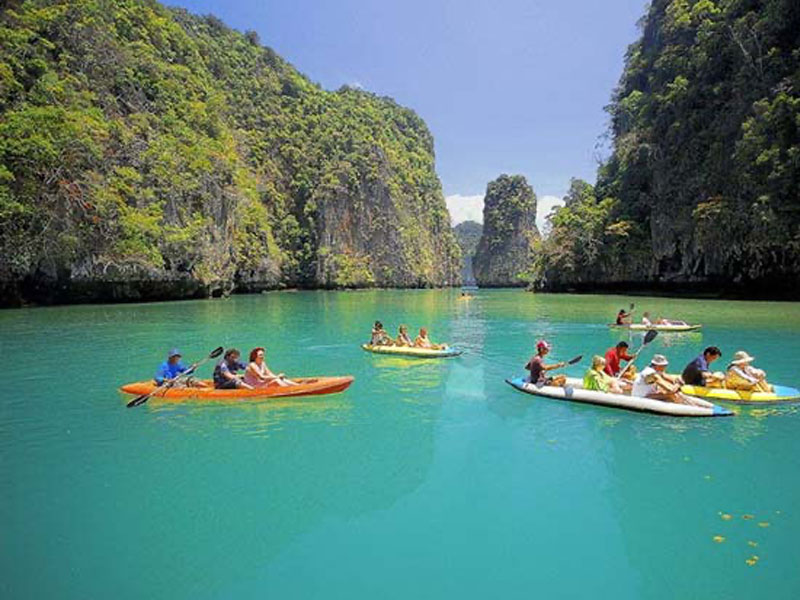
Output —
(258, 375)
(538, 369)
(698, 371)
(171, 368)
(623, 318)
(614, 356)
(225, 373)
(653, 382)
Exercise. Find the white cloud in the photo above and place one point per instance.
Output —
(465, 208)
(544, 207)
(470, 208)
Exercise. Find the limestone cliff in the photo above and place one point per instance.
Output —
(702, 190)
(147, 153)
(505, 249)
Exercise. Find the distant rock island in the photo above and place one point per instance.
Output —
(506, 247)
(468, 234)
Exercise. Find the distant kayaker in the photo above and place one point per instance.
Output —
(257, 373)
(623, 318)
(614, 356)
(742, 375)
(538, 369)
(403, 338)
(171, 368)
(225, 373)
(646, 320)
(654, 383)
(698, 371)
(422, 341)
(596, 378)
(379, 336)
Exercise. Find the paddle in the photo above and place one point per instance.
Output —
(648, 337)
(572, 361)
(139, 400)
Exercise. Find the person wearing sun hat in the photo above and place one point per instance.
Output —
(742, 375)
(653, 382)
(538, 368)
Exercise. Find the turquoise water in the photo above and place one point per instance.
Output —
(426, 479)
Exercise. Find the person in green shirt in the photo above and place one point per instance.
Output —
(597, 379)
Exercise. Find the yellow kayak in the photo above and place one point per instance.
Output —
(410, 351)
(782, 393)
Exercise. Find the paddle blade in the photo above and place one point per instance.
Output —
(632, 306)
(138, 400)
(577, 359)
(649, 336)
(216, 352)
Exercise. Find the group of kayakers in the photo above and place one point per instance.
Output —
(381, 338)
(626, 318)
(255, 374)
(607, 375)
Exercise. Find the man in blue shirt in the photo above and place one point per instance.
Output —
(698, 371)
(225, 373)
(170, 368)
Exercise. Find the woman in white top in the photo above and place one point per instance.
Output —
(646, 320)
(653, 382)
(258, 374)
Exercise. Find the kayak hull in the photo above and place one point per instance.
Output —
(307, 386)
(572, 393)
(659, 328)
(782, 393)
(413, 352)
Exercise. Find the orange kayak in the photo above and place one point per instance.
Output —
(307, 386)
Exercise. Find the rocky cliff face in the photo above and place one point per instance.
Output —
(701, 190)
(146, 153)
(505, 250)
(468, 234)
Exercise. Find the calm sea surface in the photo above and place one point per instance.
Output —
(426, 479)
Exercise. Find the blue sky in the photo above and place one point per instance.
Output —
(507, 86)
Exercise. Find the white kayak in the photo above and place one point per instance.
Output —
(574, 392)
(661, 328)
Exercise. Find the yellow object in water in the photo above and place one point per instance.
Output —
(781, 393)
(412, 351)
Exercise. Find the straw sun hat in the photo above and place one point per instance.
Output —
(742, 358)
(659, 360)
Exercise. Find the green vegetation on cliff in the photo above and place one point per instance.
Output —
(509, 233)
(147, 152)
(703, 185)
